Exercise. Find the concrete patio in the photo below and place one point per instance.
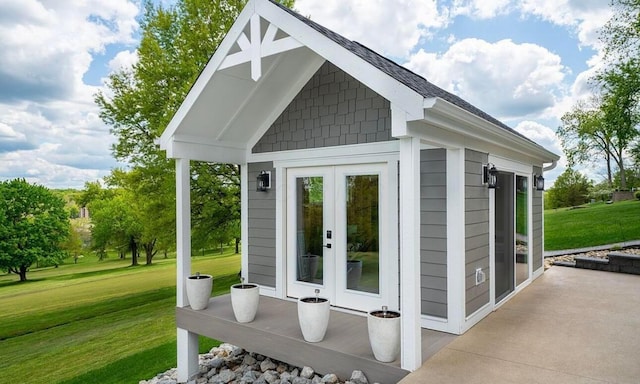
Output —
(568, 326)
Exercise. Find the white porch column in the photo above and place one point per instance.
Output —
(455, 240)
(187, 341)
(411, 336)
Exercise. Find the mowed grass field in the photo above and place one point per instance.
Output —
(97, 322)
(591, 225)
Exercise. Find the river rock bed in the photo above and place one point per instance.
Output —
(230, 364)
(548, 261)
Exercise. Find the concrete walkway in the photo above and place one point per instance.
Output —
(568, 326)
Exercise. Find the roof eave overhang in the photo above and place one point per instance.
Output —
(451, 117)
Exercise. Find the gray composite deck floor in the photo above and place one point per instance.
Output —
(275, 333)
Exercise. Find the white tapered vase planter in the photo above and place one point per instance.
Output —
(313, 316)
(244, 301)
(199, 290)
(384, 334)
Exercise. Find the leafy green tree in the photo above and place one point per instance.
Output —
(115, 226)
(621, 112)
(176, 44)
(73, 244)
(621, 34)
(33, 225)
(570, 189)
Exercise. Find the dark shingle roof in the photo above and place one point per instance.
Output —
(410, 79)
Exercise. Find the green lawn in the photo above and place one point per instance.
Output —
(591, 225)
(96, 322)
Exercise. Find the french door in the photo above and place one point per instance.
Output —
(512, 256)
(338, 235)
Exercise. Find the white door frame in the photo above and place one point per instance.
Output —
(335, 288)
(518, 169)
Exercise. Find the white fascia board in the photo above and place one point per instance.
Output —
(212, 152)
(389, 88)
(207, 73)
(447, 115)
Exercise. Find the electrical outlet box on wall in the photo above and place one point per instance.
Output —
(480, 276)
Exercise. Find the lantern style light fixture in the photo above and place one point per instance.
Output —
(538, 181)
(263, 182)
(490, 175)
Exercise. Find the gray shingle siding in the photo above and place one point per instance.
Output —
(476, 231)
(332, 109)
(537, 212)
(261, 247)
(433, 232)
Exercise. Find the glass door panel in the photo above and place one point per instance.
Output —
(309, 236)
(504, 239)
(522, 230)
(363, 246)
(310, 210)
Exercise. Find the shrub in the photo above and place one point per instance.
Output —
(637, 195)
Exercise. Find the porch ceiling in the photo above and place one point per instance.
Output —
(232, 110)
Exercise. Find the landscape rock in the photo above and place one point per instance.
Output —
(229, 364)
(307, 372)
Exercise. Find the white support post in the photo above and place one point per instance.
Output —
(455, 240)
(256, 48)
(411, 347)
(187, 341)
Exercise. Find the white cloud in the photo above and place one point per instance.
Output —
(586, 17)
(390, 27)
(504, 79)
(480, 9)
(47, 49)
(123, 60)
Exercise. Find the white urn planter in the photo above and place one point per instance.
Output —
(199, 290)
(244, 301)
(384, 334)
(313, 316)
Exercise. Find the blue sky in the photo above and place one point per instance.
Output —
(524, 61)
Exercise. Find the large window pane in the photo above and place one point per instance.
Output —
(522, 230)
(309, 204)
(363, 233)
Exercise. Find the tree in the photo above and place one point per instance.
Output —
(585, 136)
(115, 226)
(570, 189)
(176, 44)
(33, 224)
(621, 34)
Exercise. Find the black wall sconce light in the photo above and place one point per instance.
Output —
(490, 175)
(263, 182)
(538, 181)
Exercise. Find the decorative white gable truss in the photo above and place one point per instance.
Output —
(258, 47)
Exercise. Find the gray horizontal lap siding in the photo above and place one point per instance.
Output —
(261, 227)
(332, 109)
(433, 232)
(537, 212)
(476, 231)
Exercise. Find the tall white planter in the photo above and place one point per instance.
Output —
(244, 301)
(313, 316)
(384, 334)
(199, 290)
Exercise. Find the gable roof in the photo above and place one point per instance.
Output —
(400, 73)
(258, 69)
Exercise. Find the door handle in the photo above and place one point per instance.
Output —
(327, 245)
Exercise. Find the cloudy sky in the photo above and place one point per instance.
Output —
(524, 61)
